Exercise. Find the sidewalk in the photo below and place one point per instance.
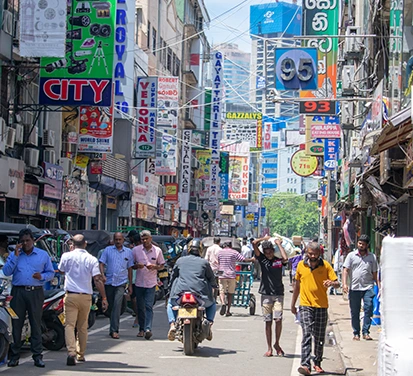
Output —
(359, 358)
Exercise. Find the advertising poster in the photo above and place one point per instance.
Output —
(152, 183)
(244, 126)
(171, 194)
(47, 208)
(331, 150)
(224, 174)
(147, 94)
(42, 28)
(28, 204)
(185, 181)
(54, 176)
(321, 18)
(168, 101)
(166, 151)
(71, 198)
(84, 75)
(238, 177)
(204, 159)
(95, 129)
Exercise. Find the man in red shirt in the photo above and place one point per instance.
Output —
(227, 259)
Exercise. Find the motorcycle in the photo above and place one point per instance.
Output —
(6, 316)
(191, 326)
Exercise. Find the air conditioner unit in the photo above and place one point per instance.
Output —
(48, 138)
(19, 133)
(194, 164)
(33, 137)
(66, 163)
(347, 114)
(8, 22)
(10, 137)
(3, 130)
(31, 157)
(348, 80)
(49, 156)
(352, 45)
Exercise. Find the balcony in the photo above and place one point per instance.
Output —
(190, 77)
(189, 123)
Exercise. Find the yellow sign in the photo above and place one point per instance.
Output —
(303, 164)
(250, 216)
(82, 161)
(244, 115)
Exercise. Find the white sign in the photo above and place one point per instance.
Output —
(42, 28)
(147, 117)
(152, 182)
(123, 76)
(185, 183)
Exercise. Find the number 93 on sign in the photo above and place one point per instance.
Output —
(296, 69)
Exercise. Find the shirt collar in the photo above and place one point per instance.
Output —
(33, 251)
(306, 261)
(358, 253)
(80, 250)
(119, 250)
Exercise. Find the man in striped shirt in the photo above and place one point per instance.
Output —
(118, 261)
(227, 259)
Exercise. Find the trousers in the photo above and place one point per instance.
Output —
(355, 297)
(114, 295)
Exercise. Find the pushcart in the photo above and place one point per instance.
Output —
(245, 278)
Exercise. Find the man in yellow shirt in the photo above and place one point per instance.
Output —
(313, 277)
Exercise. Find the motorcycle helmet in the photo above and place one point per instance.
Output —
(195, 247)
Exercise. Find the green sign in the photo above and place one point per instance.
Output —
(84, 75)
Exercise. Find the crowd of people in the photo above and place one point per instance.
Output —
(134, 268)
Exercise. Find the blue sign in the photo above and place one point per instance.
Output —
(256, 219)
(331, 150)
(224, 178)
(263, 212)
(260, 82)
(296, 69)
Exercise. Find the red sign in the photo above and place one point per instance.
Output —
(96, 167)
(171, 192)
(316, 107)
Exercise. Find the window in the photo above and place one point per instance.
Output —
(173, 63)
(148, 41)
(161, 53)
(177, 67)
(153, 41)
(295, 191)
(169, 60)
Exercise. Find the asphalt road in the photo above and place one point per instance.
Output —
(236, 349)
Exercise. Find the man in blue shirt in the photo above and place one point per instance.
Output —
(30, 267)
(118, 260)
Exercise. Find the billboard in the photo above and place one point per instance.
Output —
(244, 126)
(204, 159)
(322, 127)
(223, 174)
(238, 177)
(277, 17)
(84, 75)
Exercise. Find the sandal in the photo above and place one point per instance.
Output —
(115, 335)
(304, 370)
(367, 337)
(141, 334)
(172, 333)
(279, 351)
(318, 369)
(228, 314)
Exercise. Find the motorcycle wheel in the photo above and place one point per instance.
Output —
(188, 339)
(4, 347)
(59, 338)
(91, 319)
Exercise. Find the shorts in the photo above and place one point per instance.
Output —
(272, 307)
(227, 285)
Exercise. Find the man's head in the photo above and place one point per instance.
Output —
(26, 239)
(79, 241)
(267, 249)
(195, 247)
(136, 240)
(251, 240)
(94, 226)
(118, 239)
(226, 244)
(313, 251)
(217, 240)
(146, 238)
(131, 234)
(244, 241)
(363, 243)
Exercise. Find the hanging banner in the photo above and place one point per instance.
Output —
(147, 95)
(54, 176)
(171, 194)
(168, 101)
(166, 151)
(224, 174)
(42, 28)
(266, 130)
(238, 177)
(244, 126)
(321, 18)
(91, 203)
(152, 183)
(331, 149)
(71, 197)
(84, 75)
(95, 130)
(204, 159)
(28, 204)
(185, 182)
(47, 208)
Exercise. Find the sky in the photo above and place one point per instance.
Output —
(233, 27)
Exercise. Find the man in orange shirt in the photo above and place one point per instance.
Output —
(313, 277)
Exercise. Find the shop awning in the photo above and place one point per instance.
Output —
(34, 179)
(397, 131)
(109, 186)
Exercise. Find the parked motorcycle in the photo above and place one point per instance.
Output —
(6, 316)
(191, 326)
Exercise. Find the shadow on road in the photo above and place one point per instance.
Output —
(208, 352)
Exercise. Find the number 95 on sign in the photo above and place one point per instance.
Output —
(296, 69)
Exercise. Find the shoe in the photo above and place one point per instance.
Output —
(148, 334)
(13, 363)
(304, 370)
(223, 310)
(367, 337)
(38, 362)
(356, 338)
(318, 369)
(71, 361)
(80, 358)
(209, 337)
(172, 333)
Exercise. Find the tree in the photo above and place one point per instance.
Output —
(289, 214)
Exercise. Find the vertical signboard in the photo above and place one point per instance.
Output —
(224, 171)
(244, 126)
(321, 18)
(238, 177)
(331, 148)
(84, 74)
(204, 159)
(267, 128)
(185, 183)
(123, 75)
(147, 117)
(28, 203)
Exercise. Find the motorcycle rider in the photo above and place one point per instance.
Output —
(192, 273)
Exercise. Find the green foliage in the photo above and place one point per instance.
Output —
(289, 214)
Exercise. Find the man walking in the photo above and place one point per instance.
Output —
(313, 277)
(118, 261)
(211, 254)
(271, 290)
(227, 259)
(148, 260)
(79, 267)
(361, 265)
(30, 267)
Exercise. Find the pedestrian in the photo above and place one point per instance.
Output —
(361, 266)
(246, 250)
(313, 277)
(94, 226)
(293, 262)
(31, 268)
(211, 254)
(118, 261)
(148, 260)
(79, 267)
(227, 259)
(136, 240)
(271, 290)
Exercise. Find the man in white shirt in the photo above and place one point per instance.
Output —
(212, 254)
(79, 267)
(246, 250)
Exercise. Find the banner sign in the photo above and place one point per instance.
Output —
(147, 117)
(124, 58)
(244, 126)
(238, 177)
(42, 28)
(171, 192)
(168, 101)
(331, 149)
(84, 75)
(267, 128)
(166, 151)
(318, 127)
(204, 159)
(152, 182)
(28, 204)
(224, 174)
(321, 19)
(47, 208)
(71, 200)
(54, 176)
(95, 129)
(185, 181)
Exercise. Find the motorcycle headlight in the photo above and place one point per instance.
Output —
(54, 281)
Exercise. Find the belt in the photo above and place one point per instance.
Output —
(30, 288)
(79, 293)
